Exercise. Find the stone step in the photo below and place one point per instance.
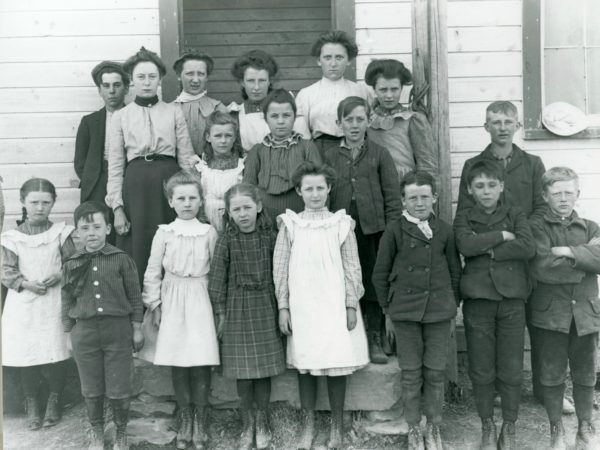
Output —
(373, 388)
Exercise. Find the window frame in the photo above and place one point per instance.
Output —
(532, 78)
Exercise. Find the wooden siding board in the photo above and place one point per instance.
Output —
(375, 42)
(39, 125)
(69, 49)
(383, 15)
(49, 74)
(190, 5)
(291, 25)
(485, 89)
(74, 5)
(484, 13)
(267, 14)
(484, 39)
(62, 175)
(78, 23)
(42, 150)
(484, 64)
(256, 39)
(49, 99)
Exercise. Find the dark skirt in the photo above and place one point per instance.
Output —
(146, 206)
(277, 204)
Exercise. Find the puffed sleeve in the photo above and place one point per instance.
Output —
(117, 159)
(186, 157)
(153, 274)
(421, 140)
(281, 265)
(219, 274)
(252, 166)
(11, 275)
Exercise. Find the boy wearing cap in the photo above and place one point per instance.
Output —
(565, 309)
(91, 143)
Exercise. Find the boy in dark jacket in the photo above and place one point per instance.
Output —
(564, 304)
(416, 278)
(367, 188)
(496, 242)
(102, 310)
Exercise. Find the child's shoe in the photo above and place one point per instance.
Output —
(508, 437)
(488, 434)
(184, 434)
(53, 410)
(247, 435)
(120, 418)
(336, 438)
(433, 437)
(308, 431)
(34, 421)
(200, 430)
(375, 351)
(96, 437)
(585, 436)
(263, 432)
(557, 436)
(415, 437)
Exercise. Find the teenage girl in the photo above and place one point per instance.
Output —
(241, 288)
(405, 133)
(222, 165)
(32, 334)
(176, 293)
(318, 285)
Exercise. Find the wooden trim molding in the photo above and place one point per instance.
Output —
(171, 32)
(343, 13)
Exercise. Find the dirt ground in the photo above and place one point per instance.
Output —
(461, 430)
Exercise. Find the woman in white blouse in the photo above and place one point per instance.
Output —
(149, 142)
(317, 103)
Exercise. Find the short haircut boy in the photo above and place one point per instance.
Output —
(420, 178)
(347, 105)
(484, 168)
(555, 174)
(280, 96)
(87, 210)
(502, 106)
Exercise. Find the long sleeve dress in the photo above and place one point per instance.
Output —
(148, 144)
(241, 287)
(177, 279)
(32, 332)
(317, 276)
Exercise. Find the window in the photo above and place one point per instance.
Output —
(561, 61)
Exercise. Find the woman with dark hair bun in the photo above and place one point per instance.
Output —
(193, 70)
(255, 71)
(149, 142)
(317, 103)
(406, 134)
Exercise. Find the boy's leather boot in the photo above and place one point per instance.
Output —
(376, 353)
(34, 421)
(120, 418)
(415, 437)
(336, 433)
(263, 431)
(53, 410)
(308, 431)
(200, 429)
(508, 437)
(557, 436)
(585, 436)
(247, 435)
(95, 411)
(488, 434)
(433, 437)
(184, 434)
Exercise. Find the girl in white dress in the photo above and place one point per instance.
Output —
(222, 165)
(32, 331)
(176, 293)
(318, 283)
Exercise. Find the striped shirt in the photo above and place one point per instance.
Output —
(108, 287)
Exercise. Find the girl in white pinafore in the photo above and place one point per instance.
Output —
(222, 165)
(318, 283)
(176, 294)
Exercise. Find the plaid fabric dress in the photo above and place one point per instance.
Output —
(241, 287)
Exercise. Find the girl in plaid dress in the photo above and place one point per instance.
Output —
(243, 296)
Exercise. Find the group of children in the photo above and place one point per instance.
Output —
(271, 262)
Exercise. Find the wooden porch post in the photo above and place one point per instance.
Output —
(430, 91)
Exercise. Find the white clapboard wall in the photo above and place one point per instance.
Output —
(47, 50)
(484, 64)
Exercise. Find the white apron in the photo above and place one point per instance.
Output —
(320, 338)
(32, 331)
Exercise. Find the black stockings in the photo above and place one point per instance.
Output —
(257, 390)
(191, 385)
(336, 388)
(31, 378)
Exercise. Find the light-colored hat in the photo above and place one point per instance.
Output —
(564, 119)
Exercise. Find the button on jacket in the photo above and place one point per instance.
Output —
(417, 279)
(371, 180)
(494, 268)
(566, 289)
